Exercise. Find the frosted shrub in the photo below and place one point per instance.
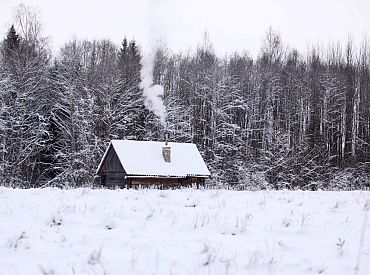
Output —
(19, 241)
(55, 220)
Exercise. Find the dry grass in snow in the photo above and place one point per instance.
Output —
(85, 231)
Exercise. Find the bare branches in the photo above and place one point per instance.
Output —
(28, 23)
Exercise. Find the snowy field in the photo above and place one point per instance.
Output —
(85, 231)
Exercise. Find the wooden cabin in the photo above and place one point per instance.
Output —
(129, 163)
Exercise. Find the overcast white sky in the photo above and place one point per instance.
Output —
(232, 25)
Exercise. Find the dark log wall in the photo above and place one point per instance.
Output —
(156, 181)
(111, 163)
(112, 172)
(167, 182)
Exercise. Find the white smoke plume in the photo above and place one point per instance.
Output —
(153, 93)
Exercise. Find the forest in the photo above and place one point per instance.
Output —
(284, 119)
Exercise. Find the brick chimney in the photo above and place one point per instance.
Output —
(166, 150)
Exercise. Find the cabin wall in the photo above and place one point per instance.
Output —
(112, 172)
(111, 163)
(155, 181)
(167, 182)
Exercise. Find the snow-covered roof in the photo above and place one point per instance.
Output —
(144, 158)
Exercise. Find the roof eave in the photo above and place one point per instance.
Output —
(166, 176)
(103, 158)
(155, 176)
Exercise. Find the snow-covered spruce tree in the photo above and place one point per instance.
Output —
(131, 103)
(25, 59)
(74, 114)
(7, 98)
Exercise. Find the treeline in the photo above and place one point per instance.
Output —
(282, 120)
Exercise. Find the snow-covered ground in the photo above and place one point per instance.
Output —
(85, 231)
